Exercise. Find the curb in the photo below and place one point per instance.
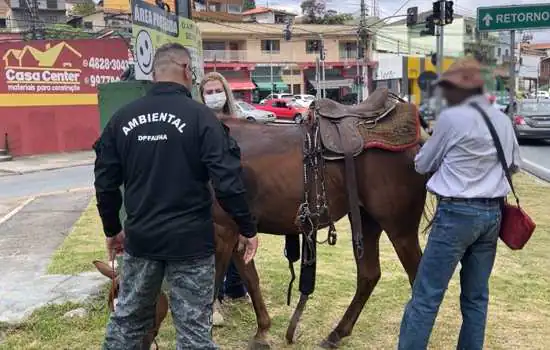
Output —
(536, 170)
(7, 172)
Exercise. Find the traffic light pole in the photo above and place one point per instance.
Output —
(440, 53)
(512, 70)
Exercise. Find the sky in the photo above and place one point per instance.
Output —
(389, 8)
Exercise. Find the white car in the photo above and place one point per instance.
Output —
(303, 100)
(251, 113)
(542, 94)
(276, 97)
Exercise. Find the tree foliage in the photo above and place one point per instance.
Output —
(58, 32)
(249, 5)
(83, 9)
(315, 12)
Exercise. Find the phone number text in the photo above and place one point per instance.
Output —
(95, 80)
(101, 63)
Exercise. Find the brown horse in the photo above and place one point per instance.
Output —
(391, 195)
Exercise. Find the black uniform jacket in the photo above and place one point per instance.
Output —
(165, 148)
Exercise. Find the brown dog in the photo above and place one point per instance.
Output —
(161, 310)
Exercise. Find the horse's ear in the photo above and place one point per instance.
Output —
(105, 269)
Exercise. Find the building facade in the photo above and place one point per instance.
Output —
(18, 18)
(272, 63)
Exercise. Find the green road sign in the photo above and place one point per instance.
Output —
(513, 17)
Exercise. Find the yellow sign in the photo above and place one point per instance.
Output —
(153, 27)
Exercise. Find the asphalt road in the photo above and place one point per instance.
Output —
(34, 184)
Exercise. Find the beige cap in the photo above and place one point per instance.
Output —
(464, 73)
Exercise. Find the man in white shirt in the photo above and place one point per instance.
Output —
(470, 185)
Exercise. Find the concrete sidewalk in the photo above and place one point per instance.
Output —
(31, 164)
(28, 240)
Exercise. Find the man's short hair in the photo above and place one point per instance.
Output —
(167, 55)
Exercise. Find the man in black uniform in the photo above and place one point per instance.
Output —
(165, 148)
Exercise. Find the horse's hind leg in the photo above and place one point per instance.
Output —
(250, 276)
(368, 274)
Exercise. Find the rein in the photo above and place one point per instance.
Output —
(312, 212)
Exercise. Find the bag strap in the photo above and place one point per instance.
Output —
(498, 146)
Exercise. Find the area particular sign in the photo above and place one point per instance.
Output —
(497, 18)
(153, 27)
(61, 66)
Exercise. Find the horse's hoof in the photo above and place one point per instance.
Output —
(259, 344)
(327, 344)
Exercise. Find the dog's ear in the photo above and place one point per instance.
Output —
(105, 269)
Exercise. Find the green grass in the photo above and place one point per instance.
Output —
(519, 310)
(84, 244)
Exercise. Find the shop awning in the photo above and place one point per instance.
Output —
(241, 84)
(333, 83)
(266, 85)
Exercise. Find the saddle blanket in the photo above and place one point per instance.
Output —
(395, 132)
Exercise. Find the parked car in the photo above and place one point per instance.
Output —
(251, 113)
(303, 100)
(277, 96)
(284, 109)
(540, 94)
(531, 119)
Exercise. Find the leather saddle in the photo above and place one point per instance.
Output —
(338, 123)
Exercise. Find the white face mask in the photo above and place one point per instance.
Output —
(215, 101)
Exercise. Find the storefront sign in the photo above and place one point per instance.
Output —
(60, 66)
(153, 27)
(389, 67)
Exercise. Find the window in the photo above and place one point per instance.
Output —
(312, 46)
(88, 25)
(51, 4)
(506, 52)
(469, 29)
(2, 23)
(348, 50)
(213, 45)
(499, 51)
(271, 45)
(279, 104)
(296, 89)
(234, 8)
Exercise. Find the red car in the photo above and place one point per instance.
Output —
(284, 109)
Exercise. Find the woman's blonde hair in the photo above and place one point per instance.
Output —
(229, 108)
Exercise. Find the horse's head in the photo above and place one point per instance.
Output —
(161, 308)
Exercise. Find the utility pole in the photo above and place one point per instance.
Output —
(362, 33)
(512, 70)
(271, 64)
(322, 57)
(439, 17)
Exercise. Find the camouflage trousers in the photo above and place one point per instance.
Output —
(191, 296)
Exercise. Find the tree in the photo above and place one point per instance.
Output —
(83, 9)
(58, 32)
(315, 12)
(249, 5)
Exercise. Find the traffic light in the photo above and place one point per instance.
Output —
(287, 32)
(449, 12)
(412, 16)
(433, 59)
(430, 26)
(437, 12)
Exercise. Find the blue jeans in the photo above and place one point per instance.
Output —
(466, 232)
